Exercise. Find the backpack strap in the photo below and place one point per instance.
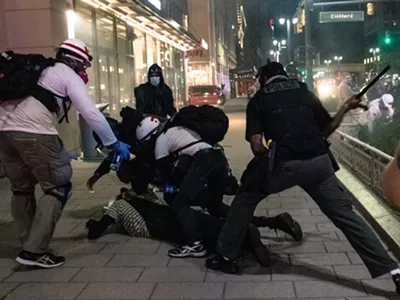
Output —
(66, 110)
(175, 153)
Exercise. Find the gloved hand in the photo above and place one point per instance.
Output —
(121, 149)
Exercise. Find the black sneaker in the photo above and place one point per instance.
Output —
(219, 263)
(259, 250)
(44, 260)
(195, 250)
(285, 223)
(396, 280)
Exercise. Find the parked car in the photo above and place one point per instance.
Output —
(205, 94)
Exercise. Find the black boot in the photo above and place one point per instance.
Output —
(285, 223)
(255, 246)
(219, 263)
(96, 228)
(262, 221)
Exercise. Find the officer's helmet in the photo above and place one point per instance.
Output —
(270, 70)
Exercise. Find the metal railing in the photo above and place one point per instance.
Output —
(363, 160)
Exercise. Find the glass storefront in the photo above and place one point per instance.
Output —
(122, 55)
(199, 74)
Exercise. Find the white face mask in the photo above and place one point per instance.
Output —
(155, 81)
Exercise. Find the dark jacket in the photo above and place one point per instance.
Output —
(153, 100)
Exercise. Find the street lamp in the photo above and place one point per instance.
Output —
(279, 45)
(288, 22)
(272, 52)
(338, 58)
(375, 52)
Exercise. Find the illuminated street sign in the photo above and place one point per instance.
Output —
(341, 16)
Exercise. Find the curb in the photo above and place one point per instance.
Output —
(378, 214)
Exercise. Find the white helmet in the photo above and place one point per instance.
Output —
(147, 128)
(77, 50)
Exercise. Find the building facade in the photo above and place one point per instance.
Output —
(216, 22)
(382, 35)
(125, 38)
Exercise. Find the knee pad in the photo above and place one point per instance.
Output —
(62, 193)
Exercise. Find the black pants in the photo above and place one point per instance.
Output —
(163, 223)
(203, 185)
(317, 178)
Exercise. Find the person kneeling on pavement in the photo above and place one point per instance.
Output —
(137, 215)
(287, 113)
(202, 184)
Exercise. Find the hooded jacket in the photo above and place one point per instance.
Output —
(155, 100)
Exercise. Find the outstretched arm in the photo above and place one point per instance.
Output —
(77, 91)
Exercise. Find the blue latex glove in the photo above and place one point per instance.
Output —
(122, 150)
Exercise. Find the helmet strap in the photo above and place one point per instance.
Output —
(74, 63)
(149, 134)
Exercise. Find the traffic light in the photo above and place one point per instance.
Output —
(387, 39)
(370, 9)
(299, 27)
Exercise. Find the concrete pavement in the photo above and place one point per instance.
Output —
(324, 266)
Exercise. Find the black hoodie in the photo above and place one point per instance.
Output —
(155, 100)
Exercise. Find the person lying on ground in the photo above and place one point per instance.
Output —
(139, 217)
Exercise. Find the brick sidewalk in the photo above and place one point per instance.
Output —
(324, 266)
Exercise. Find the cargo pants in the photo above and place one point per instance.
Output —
(316, 176)
(31, 159)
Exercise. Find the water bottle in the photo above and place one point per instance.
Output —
(170, 189)
(116, 163)
(169, 192)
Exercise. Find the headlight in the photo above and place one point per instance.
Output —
(325, 90)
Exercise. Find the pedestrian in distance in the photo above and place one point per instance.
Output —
(155, 96)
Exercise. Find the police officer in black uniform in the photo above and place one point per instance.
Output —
(287, 113)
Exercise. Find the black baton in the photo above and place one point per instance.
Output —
(370, 84)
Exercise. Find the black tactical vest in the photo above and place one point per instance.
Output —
(288, 119)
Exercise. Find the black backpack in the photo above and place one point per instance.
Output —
(19, 76)
(209, 122)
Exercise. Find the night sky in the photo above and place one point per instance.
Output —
(342, 39)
